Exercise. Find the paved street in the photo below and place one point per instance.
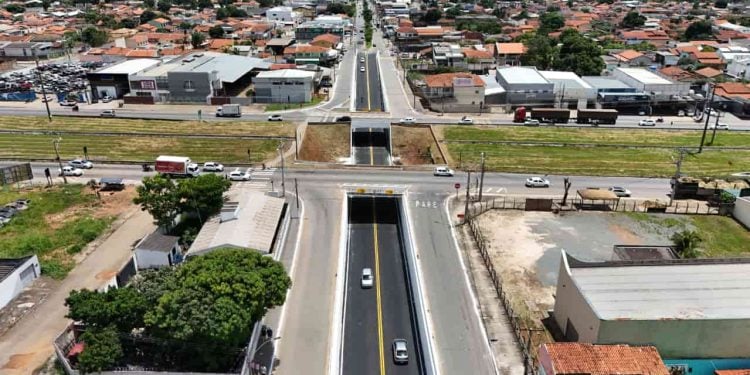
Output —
(369, 91)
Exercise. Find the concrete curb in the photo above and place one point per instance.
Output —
(337, 328)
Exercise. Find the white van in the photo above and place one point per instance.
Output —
(443, 171)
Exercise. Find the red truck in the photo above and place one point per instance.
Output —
(177, 166)
(520, 114)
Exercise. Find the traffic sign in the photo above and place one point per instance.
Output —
(457, 185)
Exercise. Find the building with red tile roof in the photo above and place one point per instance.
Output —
(571, 358)
(453, 92)
(732, 90)
(709, 72)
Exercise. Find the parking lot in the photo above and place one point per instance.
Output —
(57, 78)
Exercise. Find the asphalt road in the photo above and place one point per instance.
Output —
(369, 90)
(374, 317)
(370, 146)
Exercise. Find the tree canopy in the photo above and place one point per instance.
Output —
(698, 30)
(122, 308)
(216, 32)
(101, 352)
(94, 37)
(540, 51)
(164, 6)
(159, 196)
(432, 16)
(633, 20)
(551, 21)
(579, 54)
(453, 12)
(197, 38)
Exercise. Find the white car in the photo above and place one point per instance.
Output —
(238, 175)
(106, 99)
(719, 126)
(647, 122)
(531, 122)
(400, 353)
(211, 166)
(361, 68)
(537, 182)
(80, 163)
(275, 118)
(71, 171)
(361, 59)
(443, 171)
(108, 113)
(408, 120)
(367, 279)
(620, 191)
(466, 120)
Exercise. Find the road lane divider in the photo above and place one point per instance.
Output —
(379, 302)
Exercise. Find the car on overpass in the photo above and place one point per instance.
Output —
(719, 126)
(537, 182)
(71, 171)
(108, 113)
(361, 68)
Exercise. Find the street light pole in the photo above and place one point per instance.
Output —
(281, 155)
(56, 144)
(708, 117)
(41, 83)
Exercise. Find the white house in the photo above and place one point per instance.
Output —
(285, 15)
(739, 68)
(16, 274)
(157, 250)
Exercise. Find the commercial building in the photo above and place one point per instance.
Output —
(284, 86)
(570, 89)
(658, 87)
(335, 25)
(283, 15)
(15, 275)
(454, 92)
(571, 358)
(686, 308)
(613, 93)
(524, 86)
(114, 80)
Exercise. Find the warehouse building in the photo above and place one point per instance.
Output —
(284, 86)
(658, 87)
(114, 80)
(687, 308)
(307, 31)
(570, 90)
(524, 86)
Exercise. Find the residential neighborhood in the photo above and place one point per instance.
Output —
(374, 187)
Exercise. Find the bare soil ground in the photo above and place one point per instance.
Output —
(326, 143)
(415, 145)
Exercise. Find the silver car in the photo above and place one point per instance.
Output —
(211, 166)
(80, 163)
(400, 353)
(537, 182)
(238, 175)
(367, 279)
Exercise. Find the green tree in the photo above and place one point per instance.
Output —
(203, 194)
(721, 4)
(686, 243)
(216, 31)
(101, 352)
(551, 21)
(94, 37)
(222, 13)
(633, 20)
(698, 30)
(453, 12)
(186, 26)
(432, 16)
(127, 23)
(540, 51)
(204, 4)
(164, 6)
(46, 4)
(644, 46)
(160, 197)
(121, 308)
(579, 54)
(15, 8)
(219, 297)
(149, 3)
(147, 16)
(197, 38)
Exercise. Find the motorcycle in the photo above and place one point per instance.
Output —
(660, 119)
(146, 168)
(75, 108)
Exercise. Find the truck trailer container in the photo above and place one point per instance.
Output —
(597, 116)
(229, 110)
(550, 114)
(176, 166)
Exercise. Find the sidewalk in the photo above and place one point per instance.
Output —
(28, 345)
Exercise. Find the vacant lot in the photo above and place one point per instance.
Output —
(59, 223)
(526, 246)
(326, 143)
(415, 145)
(137, 148)
(96, 124)
(284, 106)
(610, 159)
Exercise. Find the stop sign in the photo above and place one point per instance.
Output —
(457, 185)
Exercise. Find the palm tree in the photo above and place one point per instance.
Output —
(686, 243)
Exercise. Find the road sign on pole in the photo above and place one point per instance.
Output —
(457, 185)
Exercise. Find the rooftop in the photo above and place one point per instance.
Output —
(605, 82)
(286, 73)
(7, 266)
(588, 359)
(157, 241)
(229, 67)
(453, 79)
(691, 289)
(569, 79)
(521, 75)
(129, 66)
(644, 76)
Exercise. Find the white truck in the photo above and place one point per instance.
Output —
(177, 166)
(229, 110)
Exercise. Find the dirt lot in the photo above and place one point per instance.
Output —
(526, 248)
(326, 143)
(415, 145)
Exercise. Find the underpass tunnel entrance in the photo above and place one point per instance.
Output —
(371, 145)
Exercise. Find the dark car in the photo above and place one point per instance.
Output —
(343, 119)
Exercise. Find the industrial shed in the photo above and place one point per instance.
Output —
(658, 87)
(524, 86)
(570, 89)
(687, 308)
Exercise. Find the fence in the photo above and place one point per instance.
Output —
(524, 334)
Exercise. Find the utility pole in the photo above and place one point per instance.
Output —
(281, 155)
(56, 144)
(41, 83)
(678, 164)
(716, 126)
(707, 110)
(468, 188)
(296, 194)
(481, 178)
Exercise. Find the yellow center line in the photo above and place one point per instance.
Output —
(381, 348)
(372, 153)
(367, 77)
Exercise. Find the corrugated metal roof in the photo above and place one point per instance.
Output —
(129, 66)
(521, 75)
(229, 67)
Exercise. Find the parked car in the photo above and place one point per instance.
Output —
(80, 163)
(71, 171)
(275, 118)
(400, 353)
(343, 119)
(466, 120)
(537, 182)
(442, 171)
(47, 99)
(408, 120)
(8, 211)
(531, 122)
(238, 175)
(68, 103)
(366, 280)
(106, 99)
(620, 191)
(647, 122)
(719, 126)
(212, 166)
(107, 113)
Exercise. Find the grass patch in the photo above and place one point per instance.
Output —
(137, 148)
(59, 222)
(284, 106)
(121, 125)
(415, 145)
(325, 143)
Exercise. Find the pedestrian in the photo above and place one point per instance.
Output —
(671, 123)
